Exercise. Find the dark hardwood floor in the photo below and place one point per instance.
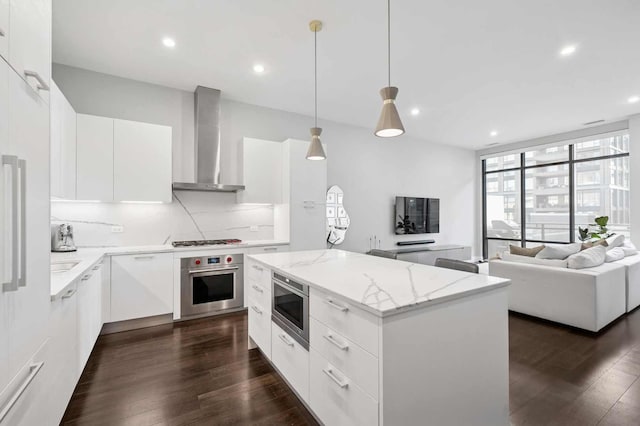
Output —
(200, 373)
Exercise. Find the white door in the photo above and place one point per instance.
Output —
(30, 42)
(142, 161)
(94, 158)
(4, 231)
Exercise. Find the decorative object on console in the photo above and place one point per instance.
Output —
(316, 152)
(389, 123)
(338, 220)
(415, 243)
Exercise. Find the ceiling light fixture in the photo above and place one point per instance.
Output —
(415, 111)
(389, 123)
(315, 152)
(633, 99)
(494, 133)
(169, 42)
(568, 50)
(258, 68)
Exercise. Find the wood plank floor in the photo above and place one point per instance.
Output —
(200, 373)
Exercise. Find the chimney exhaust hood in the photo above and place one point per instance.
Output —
(207, 146)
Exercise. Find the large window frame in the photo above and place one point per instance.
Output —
(522, 169)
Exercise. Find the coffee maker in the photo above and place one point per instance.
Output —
(62, 238)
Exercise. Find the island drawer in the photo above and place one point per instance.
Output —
(350, 321)
(291, 359)
(258, 293)
(345, 355)
(258, 273)
(335, 399)
(260, 326)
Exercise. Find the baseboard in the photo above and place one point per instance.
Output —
(117, 327)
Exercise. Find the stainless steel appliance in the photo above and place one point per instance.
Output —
(290, 308)
(211, 285)
(196, 243)
(62, 238)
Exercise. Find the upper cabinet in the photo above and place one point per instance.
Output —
(29, 40)
(94, 158)
(63, 145)
(119, 160)
(142, 161)
(262, 168)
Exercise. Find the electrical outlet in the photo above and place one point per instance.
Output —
(254, 228)
(117, 229)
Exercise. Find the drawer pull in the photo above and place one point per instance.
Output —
(270, 249)
(334, 305)
(257, 268)
(342, 383)
(335, 342)
(285, 339)
(256, 309)
(69, 293)
(149, 257)
(95, 268)
(257, 288)
(86, 277)
(42, 85)
(34, 369)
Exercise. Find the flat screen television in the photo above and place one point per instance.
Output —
(417, 215)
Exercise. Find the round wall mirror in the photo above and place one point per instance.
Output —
(337, 218)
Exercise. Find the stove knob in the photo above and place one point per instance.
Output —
(197, 261)
(229, 259)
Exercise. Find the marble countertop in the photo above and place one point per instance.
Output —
(382, 286)
(88, 257)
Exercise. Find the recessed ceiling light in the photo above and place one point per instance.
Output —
(415, 111)
(169, 42)
(633, 99)
(494, 133)
(258, 68)
(568, 50)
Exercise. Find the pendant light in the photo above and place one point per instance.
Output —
(389, 123)
(315, 152)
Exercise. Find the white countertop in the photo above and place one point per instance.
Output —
(379, 285)
(89, 257)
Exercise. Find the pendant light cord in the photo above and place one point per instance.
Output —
(315, 73)
(389, 39)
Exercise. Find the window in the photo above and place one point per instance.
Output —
(598, 171)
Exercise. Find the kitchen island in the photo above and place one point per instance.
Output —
(381, 341)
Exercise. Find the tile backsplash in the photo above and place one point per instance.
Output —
(191, 215)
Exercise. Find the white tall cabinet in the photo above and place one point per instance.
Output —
(63, 146)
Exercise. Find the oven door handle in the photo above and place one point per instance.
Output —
(198, 271)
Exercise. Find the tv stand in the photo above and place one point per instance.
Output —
(414, 243)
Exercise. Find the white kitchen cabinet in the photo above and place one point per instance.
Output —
(5, 247)
(94, 173)
(4, 29)
(141, 286)
(89, 314)
(262, 171)
(292, 360)
(257, 290)
(63, 145)
(142, 162)
(30, 42)
(269, 249)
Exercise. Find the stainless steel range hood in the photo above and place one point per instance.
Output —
(207, 147)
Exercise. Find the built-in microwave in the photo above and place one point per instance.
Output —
(290, 308)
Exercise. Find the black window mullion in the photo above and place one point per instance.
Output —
(572, 201)
(523, 202)
(485, 241)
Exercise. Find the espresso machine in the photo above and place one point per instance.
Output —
(62, 238)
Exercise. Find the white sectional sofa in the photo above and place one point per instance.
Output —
(632, 269)
(585, 298)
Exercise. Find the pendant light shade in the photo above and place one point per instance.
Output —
(389, 123)
(315, 152)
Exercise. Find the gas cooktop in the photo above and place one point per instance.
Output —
(197, 243)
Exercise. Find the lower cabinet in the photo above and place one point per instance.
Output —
(292, 360)
(89, 314)
(141, 286)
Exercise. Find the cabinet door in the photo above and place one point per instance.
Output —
(4, 210)
(30, 41)
(68, 151)
(4, 29)
(84, 322)
(141, 286)
(96, 304)
(262, 164)
(57, 119)
(291, 359)
(142, 162)
(94, 158)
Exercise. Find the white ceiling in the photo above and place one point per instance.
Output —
(471, 66)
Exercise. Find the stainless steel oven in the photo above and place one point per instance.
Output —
(290, 308)
(211, 284)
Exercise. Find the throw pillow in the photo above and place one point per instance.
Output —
(588, 258)
(615, 254)
(524, 251)
(589, 244)
(559, 251)
(615, 241)
(629, 250)
(508, 257)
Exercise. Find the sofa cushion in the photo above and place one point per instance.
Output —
(629, 248)
(589, 244)
(524, 251)
(508, 257)
(559, 251)
(588, 258)
(615, 241)
(614, 254)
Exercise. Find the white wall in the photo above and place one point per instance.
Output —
(371, 171)
(634, 166)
